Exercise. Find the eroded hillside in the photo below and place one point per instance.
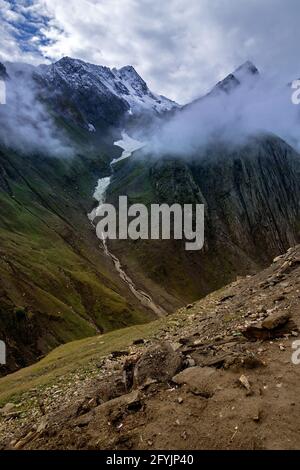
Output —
(218, 374)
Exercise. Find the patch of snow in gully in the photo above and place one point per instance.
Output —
(91, 128)
(129, 145)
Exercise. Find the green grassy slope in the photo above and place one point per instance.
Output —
(79, 356)
(56, 285)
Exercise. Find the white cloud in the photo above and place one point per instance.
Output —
(10, 46)
(180, 47)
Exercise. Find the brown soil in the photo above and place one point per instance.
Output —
(238, 387)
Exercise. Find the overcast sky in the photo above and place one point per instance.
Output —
(180, 47)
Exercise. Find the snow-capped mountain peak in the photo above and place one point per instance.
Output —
(123, 88)
(137, 94)
(129, 76)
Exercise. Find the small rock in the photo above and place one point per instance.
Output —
(218, 338)
(92, 403)
(257, 416)
(13, 415)
(42, 426)
(176, 346)
(261, 350)
(42, 407)
(22, 442)
(245, 382)
(277, 324)
(275, 319)
(116, 354)
(138, 341)
(8, 408)
(227, 297)
(147, 383)
(249, 361)
(190, 362)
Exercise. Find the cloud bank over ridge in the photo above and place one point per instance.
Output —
(180, 48)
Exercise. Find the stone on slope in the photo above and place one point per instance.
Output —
(276, 319)
(159, 362)
(199, 380)
(274, 326)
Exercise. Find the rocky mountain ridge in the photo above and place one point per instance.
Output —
(93, 96)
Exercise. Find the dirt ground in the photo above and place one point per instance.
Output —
(219, 376)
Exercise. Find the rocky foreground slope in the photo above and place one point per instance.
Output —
(217, 374)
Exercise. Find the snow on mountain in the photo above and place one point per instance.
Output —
(129, 145)
(119, 90)
(91, 127)
(139, 95)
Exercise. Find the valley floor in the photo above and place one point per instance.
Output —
(218, 374)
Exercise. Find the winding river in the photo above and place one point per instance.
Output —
(128, 145)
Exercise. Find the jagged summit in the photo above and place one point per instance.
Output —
(133, 81)
(246, 71)
(128, 69)
(123, 89)
(246, 67)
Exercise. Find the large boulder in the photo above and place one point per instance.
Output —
(199, 380)
(159, 362)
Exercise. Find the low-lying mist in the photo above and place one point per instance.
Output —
(26, 125)
(251, 108)
(229, 115)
